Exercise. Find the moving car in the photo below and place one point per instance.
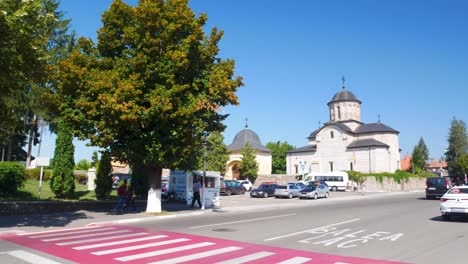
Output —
(247, 184)
(265, 190)
(289, 190)
(229, 187)
(437, 186)
(454, 202)
(314, 191)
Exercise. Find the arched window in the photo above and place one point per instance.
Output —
(332, 135)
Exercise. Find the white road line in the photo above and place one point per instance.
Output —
(197, 256)
(98, 239)
(155, 244)
(57, 230)
(88, 235)
(242, 221)
(295, 260)
(118, 242)
(31, 258)
(247, 258)
(74, 232)
(309, 230)
(164, 251)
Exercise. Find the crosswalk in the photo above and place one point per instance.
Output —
(122, 244)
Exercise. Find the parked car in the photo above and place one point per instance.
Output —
(247, 184)
(265, 190)
(299, 185)
(229, 187)
(437, 186)
(289, 190)
(314, 191)
(454, 202)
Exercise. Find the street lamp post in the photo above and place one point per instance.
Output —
(203, 176)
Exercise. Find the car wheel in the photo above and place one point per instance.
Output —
(334, 189)
(326, 195)
(265, 195)
(228, 193)
(315, 196)
(446, 217)
(290, 196)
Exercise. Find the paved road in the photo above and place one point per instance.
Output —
(391, 227)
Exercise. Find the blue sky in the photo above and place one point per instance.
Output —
(407, 61)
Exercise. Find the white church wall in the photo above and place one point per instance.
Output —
(264, 161)
(332, 149)
(391, 139)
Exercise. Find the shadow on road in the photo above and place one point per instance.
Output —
(453, 219)
(43, 220)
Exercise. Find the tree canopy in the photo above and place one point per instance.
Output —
(278, 154)
(248, 167)
(420, 155)
(458, 142)
(151, 88)
(217, 153)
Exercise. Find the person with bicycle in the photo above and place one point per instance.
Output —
(123, 196)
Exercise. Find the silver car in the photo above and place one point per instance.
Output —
(288, 191)
(314, 191)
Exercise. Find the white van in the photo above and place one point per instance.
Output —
(337, 180)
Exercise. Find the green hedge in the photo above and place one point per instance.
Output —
(11, 177)
(398, 176)
(34, 174)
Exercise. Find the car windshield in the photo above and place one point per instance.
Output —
(264, 186)
(232, 183)
(458, 190)
(436, 182)
(310, 188)
(282, 187)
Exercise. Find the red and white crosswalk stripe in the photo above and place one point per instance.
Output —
(120, 244)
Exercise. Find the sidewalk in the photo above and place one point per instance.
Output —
(43, 222)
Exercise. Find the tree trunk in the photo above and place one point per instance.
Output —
(154, 194)
(10, 147)
(30, 140)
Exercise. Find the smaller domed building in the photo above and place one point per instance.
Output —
(263, 158)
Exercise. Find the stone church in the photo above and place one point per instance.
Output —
(263, 156)
(345, 143)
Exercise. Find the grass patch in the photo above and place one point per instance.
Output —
(30, 192)
(398, 176)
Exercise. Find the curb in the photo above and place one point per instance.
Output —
(145, 219)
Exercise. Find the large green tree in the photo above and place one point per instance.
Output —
(458, 143)
(62, 182)
(460, 166)
(420, 155)
(248, 166)
(217, 153)
(151, 89)
(278, 153)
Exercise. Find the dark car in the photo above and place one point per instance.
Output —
(265, 190)
(229, 187)
(437, 186)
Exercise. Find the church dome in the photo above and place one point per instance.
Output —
(344, 95)
(247, 136)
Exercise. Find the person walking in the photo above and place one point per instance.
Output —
(196, 194)
(131, 197)
(122, 193)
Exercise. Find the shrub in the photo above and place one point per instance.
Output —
(35, 174)
(103, 179)
(81, 178)
(11, 177)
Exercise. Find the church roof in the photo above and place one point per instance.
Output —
(374, 128)
(247, 136)
(344, 95)
(367, 143)
(308, 148)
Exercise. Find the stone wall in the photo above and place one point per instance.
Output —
(372, 184)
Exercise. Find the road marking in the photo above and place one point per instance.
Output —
(74, 232)
(198, 256)
(57, 230)
(29, 257)
(295, 260)
(123, 249)
(88, 235)
(247, 258)
(119, 242)
(165, 251)
(242, 221)
(309, 230)
(99, 239)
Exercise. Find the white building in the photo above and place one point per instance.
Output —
(263, 156)
(345, 143)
